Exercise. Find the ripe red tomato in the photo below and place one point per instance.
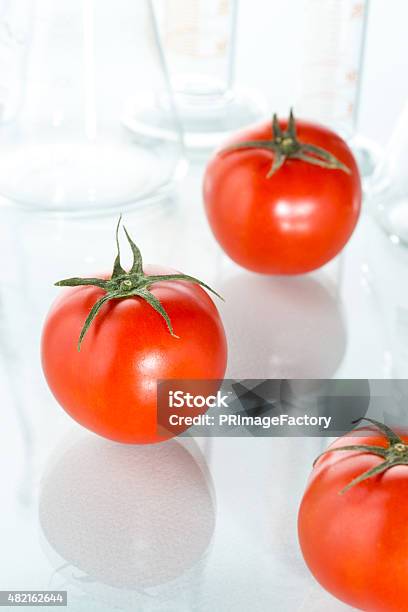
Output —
(355, 542)
(295, 220)
(109, 386)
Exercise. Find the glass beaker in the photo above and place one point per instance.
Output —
(388, 195)
(67, 149)
(199, 42)
(15, 20)
(331, 72)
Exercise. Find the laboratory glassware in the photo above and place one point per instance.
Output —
(199, 41)
(332, 69)
(15, 20)
(65, 148)
(388, 195)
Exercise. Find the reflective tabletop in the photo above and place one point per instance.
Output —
(191, 524)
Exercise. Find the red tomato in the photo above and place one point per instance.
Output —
(292, 222)
(355, 543)
(110, 385)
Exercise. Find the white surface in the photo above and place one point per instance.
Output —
(343, 321)
(349, 320)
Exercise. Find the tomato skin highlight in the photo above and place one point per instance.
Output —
(355, 544)
(110, 385)
(291, 223)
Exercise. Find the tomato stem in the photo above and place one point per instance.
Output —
(396, 453)
(286, 145)
(134, 283)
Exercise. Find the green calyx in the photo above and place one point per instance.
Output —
(134, 283)
(395, 453)
(285, 145)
